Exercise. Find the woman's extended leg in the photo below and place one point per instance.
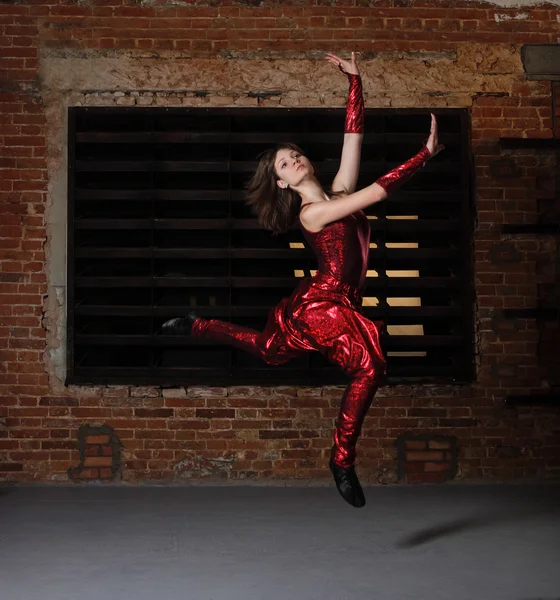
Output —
(274, 344)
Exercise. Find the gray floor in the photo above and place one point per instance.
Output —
(454, 542)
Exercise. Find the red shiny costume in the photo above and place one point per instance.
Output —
(324, 313)
(354, 122)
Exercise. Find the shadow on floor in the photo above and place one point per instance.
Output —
(432, 534)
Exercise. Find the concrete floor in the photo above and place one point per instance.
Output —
(454, 542)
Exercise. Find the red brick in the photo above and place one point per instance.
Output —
(89, 473)
(154, 412)
(440, 444)
(278, 434)
(414, 467)
(215, 413)
(415, 445)
(97, 439)
(10, 467)
(98, 461)
(29, 433)
(427, 455)
(436, 466)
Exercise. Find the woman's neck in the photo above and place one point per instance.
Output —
(311, 191)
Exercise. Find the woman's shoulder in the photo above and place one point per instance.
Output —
(306, 218)
(307, 215)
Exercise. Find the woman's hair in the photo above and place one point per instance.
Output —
(276, 208)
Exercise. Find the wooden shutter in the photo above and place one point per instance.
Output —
(157, 225)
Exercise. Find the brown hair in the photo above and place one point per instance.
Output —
(276, 208)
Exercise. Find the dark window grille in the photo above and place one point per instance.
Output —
(157, 224)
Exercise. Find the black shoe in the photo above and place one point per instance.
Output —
(179, 325)
(348, 485)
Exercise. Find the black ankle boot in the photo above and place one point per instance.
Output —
(179, 325)
(347, 484)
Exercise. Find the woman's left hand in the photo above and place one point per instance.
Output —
(432, 143)
(350, 67)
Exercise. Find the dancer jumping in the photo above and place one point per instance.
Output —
(324, 313)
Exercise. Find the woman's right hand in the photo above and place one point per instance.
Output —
(432, 144)
(350, 67)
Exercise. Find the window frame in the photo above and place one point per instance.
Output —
(286, 376)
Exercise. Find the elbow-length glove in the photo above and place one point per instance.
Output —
(355, 106)
(395, 178)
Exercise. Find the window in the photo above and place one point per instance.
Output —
(157, 225)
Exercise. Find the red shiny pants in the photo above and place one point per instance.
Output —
(321, 315)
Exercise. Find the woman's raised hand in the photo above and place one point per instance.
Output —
(350, 67)
(432, 144)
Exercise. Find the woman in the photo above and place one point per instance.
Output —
(324, 312)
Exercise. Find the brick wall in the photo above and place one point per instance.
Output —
(124, 52)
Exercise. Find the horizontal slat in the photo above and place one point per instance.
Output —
(151, 137)
(399, 373)
(155, 194)
(412, 225)
(391, 254)
(419, 342)
(400, 195)
(225, 166)
(391, 342)
(193, 253)
(166, 224)
(116, 224)
(155, 166)
(390, 225)
(373, 284)
(205, 195)
(267, 137)
(420, 312)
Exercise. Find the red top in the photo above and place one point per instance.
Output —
(342, 248)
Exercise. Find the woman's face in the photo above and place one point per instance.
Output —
(291, 167)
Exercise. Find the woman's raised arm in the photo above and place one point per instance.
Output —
(347, 176)
(317, 215)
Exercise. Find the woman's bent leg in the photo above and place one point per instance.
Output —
(358, 353)
(351, 341)
(275, 344)
(355, 403)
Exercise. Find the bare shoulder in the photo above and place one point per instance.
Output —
(310, 215)
(319, 214)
